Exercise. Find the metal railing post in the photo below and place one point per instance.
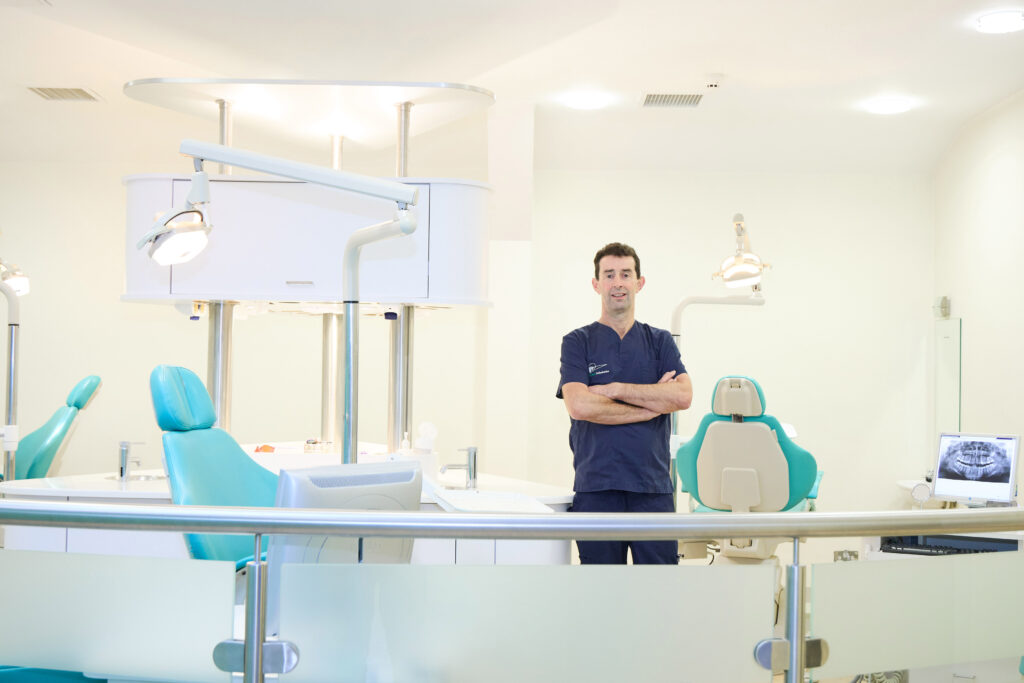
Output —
(255, 616)
(795, 616)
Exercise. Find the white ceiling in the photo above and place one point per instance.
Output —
(792, 70)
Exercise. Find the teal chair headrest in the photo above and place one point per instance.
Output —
(737, 395)
(180, 400)
(83, 391)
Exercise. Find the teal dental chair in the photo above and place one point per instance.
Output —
(741, 460)
(205, 465)
(37, 450)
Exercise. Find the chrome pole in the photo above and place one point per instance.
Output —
(255, 616)
(218, 361)
(795, 616)
(351, 443)
(400, 368)
(331, 376)
(226, 129)
(400, 377)
(331, 381)
(12, 398)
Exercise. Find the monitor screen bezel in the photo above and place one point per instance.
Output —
(967, 491)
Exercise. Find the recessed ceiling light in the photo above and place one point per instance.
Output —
(587, 99)
(1003, 21)
(890, 104)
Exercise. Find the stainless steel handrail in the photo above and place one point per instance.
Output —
(588, 526)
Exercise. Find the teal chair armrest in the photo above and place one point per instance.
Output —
(813, 493)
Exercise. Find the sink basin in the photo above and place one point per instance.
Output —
(138, 477)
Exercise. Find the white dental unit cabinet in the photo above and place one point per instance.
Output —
(282, 241)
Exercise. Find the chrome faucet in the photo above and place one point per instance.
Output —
(125, 448)
(470, 466)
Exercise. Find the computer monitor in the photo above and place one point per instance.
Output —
(371, 486)
(977, 468)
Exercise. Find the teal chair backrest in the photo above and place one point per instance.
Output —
(37, 449)
(205, 465)
(802, 467)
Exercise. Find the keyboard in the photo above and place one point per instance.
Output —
(945, 545)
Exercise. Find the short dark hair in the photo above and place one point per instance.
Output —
(615, 249)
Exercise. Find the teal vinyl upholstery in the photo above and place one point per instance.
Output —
(37, 450)
(21, 674)
(803, 469)
(205, 465)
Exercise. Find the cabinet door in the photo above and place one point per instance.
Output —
(285, 241)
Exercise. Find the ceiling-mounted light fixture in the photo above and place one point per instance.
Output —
(587, 100)
(886, 105)
(744, 268)
(180, 234)
(12, 275)
(1002, 21)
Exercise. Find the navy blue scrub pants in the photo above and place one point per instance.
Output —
(614, 552)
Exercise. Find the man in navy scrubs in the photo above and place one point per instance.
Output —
(621, 381)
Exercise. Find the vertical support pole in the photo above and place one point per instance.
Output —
(218, 361)
(12, 397)
(331, 382)
(218, 354)
(224, 111)
(331, 375)
(255, 616)
(337, 145)
(400, 368)
(400, 377)
(350, 445)
(402, 157)
(795, 575)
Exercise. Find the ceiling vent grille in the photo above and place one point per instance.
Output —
(66, 94)
(664, 100)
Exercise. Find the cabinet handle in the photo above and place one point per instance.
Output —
(299, 283)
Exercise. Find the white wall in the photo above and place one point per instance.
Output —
(980, 239)
(842, 347)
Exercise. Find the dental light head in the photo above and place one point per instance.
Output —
(180, 234)
(744, 268)
(15, 279)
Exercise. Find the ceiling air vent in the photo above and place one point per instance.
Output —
(66, 94)
(663, 100)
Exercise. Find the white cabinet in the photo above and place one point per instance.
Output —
(283, 241)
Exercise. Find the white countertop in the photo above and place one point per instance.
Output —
(103, 485)
(155, 486)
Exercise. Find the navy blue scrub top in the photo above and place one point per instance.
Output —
(630, 457)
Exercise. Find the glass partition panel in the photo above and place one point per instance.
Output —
(526, 623)
(916, 612)
(116, 616)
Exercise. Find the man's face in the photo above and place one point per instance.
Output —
(617, 283)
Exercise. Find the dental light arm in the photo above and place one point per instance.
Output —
(404, 223)
(354, 182)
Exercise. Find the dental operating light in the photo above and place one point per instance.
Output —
(180, 234)
(14, 278)
(744, 268)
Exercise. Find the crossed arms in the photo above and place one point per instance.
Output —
(620, 403)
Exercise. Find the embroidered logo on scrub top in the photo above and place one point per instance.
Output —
(595, 369)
